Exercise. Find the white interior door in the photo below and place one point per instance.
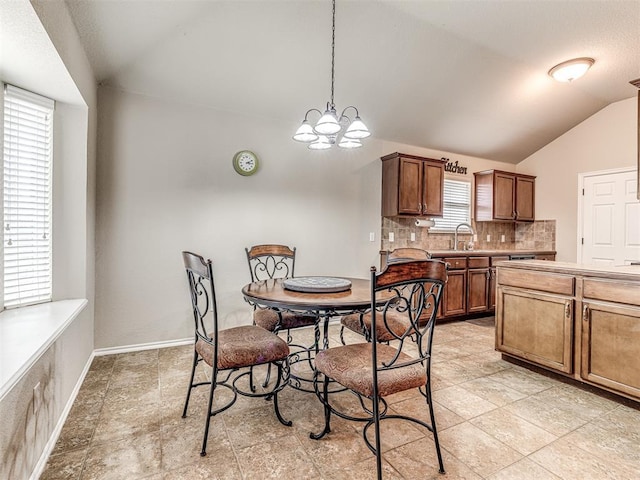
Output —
(610, 218)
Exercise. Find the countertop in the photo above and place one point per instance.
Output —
(623, 272)
(487, 253)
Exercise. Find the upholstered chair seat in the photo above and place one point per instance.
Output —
(350, 365)
(274, 321)
(244, 346)
(394, 327)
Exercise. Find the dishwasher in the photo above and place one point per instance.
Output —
(522, 256)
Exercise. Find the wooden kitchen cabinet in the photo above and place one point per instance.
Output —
(538, 327)
(412, 186)
(478, 275)
(454, 298)
(504, 196)
(578, 320)
(611, 335)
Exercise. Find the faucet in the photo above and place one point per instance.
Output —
(455, 238)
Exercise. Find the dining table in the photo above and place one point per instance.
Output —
(314, 295)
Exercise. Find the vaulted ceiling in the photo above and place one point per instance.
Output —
(462, 76)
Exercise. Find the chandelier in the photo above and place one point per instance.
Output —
(332, 129)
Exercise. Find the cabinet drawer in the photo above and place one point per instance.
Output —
(478, 262)
(532, 280)
(456, 263)
(617, 292)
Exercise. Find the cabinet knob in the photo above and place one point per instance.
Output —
(585, 313)
(567, 310)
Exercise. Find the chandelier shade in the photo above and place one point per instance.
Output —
(332, 129)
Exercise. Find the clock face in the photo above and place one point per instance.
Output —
(245, 162)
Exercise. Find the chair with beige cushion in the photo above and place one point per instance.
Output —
(361, 322)
(231, 353)
(401, 294)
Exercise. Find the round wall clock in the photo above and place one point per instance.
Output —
(245, 162)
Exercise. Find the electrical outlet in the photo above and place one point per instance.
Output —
(391, 237)
(37, 398)
(475, 237)
(372, 236)
(413, 236)
(502, 239)
(488, 238)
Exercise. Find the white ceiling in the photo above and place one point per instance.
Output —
(462, 76)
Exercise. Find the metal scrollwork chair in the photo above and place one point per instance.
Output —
(228, 352)
(271, 261)
(361, 322)
(375, 370)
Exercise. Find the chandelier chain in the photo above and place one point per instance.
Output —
(333, 50)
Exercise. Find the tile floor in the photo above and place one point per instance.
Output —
(496, 421)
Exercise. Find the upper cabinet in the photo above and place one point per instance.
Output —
(504, 196)
(412, 185)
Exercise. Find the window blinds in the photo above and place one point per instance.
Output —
(27, 154)
(456, 206)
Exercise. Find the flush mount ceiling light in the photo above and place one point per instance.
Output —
(332, 129)
(571, 69)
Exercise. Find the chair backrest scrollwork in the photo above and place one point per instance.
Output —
(416, 289)
(271, 261)
(203, 297)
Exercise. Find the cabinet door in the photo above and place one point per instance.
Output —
(504, 197)
(433, 194)
(478, 290)
(455, 294)
(525, 199)
(610, 339)
(536, 327)
(410, 187)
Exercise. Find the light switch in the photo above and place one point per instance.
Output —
(372, 236)
(488, 238)
(413, 236)
(502, 239)
(391, 237)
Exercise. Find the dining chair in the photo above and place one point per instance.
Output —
(360, 323)
(372, 370)
(230, 353)
(269, 261)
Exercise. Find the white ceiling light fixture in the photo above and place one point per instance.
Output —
(326, 131)
(571, 69)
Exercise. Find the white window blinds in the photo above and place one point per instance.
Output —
(456, 206)
(27, 155)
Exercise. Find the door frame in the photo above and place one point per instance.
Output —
(581, 179)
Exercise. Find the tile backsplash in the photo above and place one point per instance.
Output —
(538, 235)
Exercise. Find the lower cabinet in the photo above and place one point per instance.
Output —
(610, 355)
(478, 290)
(580, 325)
(537, 327)
(454, 301)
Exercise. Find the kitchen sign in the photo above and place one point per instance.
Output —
(454, 167)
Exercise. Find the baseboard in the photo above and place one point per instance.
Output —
(48, 448)
(142, 346)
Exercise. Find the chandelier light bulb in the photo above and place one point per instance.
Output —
(357, 129)
(349, 143)
(322, 143)
(328, 123)
(305, 133)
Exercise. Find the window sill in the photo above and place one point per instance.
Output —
(27, 332)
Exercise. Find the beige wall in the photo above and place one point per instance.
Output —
(166, 183)
(57, 68)
(604, 141)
